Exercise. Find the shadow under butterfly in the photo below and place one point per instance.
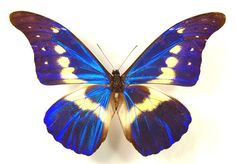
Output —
(151, 120)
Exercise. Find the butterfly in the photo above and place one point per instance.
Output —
(151, 120)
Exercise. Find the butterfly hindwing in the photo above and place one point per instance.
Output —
(80, 120)
(175, 56)
(151, 120)
(60, 57)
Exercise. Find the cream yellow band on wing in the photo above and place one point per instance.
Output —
(166, 77)
(67, 73)
(155, 98)
(84, 103)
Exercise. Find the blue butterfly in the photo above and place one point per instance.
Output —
(151, 120)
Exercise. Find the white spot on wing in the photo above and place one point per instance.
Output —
(176, 49)
(59, 49)
(37, 36)
(55, 29)
(43, 49)
(46, 62)
(63, 61)
(192, 49)
(180, 30)
(189, 63)
(171, 62)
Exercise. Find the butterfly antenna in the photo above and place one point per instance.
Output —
(127, 56)
(105, 56)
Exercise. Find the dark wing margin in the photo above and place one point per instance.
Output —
(80, 120)
(151, 120)
(175, 57)
(60, 58)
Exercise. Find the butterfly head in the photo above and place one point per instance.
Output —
(117, 82)
(115, 73)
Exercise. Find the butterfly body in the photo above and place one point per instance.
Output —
(117, 83)
(151, 120)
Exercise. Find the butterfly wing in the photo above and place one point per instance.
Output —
(175, 56)
(80, 120)
(151, 120)
(59, 56)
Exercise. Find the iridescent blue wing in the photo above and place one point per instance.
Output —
(59, 56)
(80, 120)
(175, 56)
(151, 120)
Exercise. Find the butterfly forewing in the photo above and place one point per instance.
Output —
(175, 57)
(60, 57)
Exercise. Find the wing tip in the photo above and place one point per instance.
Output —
(15, 15)
(219, 16)
(20, 12)
(12, 17)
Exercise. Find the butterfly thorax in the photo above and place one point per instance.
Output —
(117, 83)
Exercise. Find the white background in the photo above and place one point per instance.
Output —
(117, 26)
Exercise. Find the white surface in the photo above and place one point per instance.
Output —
(117, 27)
